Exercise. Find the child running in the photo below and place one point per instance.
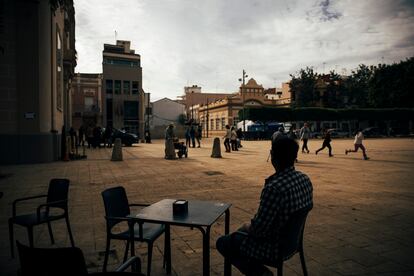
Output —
(359, 136)
(326, 143)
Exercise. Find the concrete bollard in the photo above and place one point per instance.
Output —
(170, 150)
(117, 150)
(216, 153)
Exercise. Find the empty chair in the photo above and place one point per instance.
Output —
(117, 210)
(56, 198)
(67, 261)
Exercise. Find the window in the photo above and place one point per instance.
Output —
(135, 87)
(223, 123)
(121, 62)
(126, 87)
(88, 103)
(212, 124)
(59, 71)
(109, 86)
(117, 88)
(217, 124)
(130, 110)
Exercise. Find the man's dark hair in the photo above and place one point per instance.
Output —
(284, 152)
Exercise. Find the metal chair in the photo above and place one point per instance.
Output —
(56, 198)
(67, 261)
(117, 210)
(291, 240)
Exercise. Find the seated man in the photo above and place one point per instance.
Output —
(284, 192)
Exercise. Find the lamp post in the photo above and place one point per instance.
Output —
(242, 93)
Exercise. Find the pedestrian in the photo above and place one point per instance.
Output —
(278, 134)
(227, 138)
(285, 192)
(239, 137)
(198, 135)
(233, 139)
(304, 135)
(72, 133)
(326, 143)
(187, 137)
(81, 135)
(192, 135)
(108, 137)
(89, 136)
(359, 136)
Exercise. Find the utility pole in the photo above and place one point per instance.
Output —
(243, 98)
(207, 120)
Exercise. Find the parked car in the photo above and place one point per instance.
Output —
(126, 138)
(373, 132)
(338, 133)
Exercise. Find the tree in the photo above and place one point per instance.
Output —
(302, 87)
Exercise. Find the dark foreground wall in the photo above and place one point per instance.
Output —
(31, 148)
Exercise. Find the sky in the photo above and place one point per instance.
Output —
(209, 43)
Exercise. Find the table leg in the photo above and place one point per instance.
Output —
(227, 264)
(206, 252)
(167, 248)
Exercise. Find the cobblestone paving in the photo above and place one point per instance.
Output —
(362, 222)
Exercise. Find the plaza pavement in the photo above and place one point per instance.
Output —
(362, 222)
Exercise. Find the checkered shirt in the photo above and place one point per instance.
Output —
(283, 193)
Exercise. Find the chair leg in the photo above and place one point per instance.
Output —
(70, 231)
(108, 244)
(49, 227)
(280, 269)
(11, 236)
(302, 261)
(30, 232)
(149, 258)
(126, 251)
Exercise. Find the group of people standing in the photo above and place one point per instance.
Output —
(93, 135)
(192, 134)
(232, 138)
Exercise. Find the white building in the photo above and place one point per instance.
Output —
(164, 112)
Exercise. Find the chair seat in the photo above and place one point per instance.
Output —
(31, 219)
(150, 231)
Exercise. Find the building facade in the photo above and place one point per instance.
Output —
(38, 57)
(87, 100)
(216, 115)
(123, 96)
(164, 112)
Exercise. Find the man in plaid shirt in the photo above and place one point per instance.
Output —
(284, 192)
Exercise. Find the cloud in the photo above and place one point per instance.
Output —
(185, 42)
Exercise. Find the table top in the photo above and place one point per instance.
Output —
(200, 213)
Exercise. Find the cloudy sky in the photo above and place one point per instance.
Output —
(208, 43)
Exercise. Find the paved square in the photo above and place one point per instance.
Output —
(362, 222)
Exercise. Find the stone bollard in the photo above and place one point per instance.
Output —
(170, 150)
(117, 150)
(216, 148)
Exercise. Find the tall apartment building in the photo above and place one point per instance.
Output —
(123, 96)
(87, 100)
(37, 61)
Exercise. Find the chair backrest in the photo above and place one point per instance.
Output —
(291, 234)
(51, 261)
(58, 190)
(116, 204)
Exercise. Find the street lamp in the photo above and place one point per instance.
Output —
(241, 90)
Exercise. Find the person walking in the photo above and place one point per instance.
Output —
(227, 138)
(81, 135)
(304, 135)
(326, 143)
(233, 139)
(359, 136)
(198, 132)
(239, 137)
(187, 137)
(192, 135)
(89, 136)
